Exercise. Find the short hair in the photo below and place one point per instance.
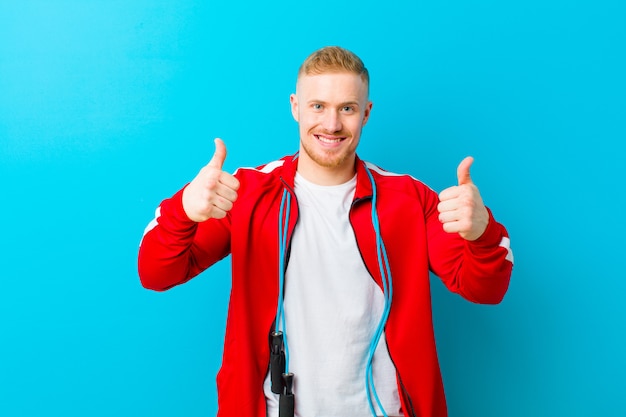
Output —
(334, 59)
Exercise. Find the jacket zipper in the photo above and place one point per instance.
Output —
(405, 393)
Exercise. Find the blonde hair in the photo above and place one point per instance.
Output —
(334, 59)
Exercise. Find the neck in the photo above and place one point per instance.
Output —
(321, 175)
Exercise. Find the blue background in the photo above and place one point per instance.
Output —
(107, 107)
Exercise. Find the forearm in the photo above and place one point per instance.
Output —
(478, 270)
(174, 248)
(487, 266)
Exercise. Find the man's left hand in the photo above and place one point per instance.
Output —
(461, 209)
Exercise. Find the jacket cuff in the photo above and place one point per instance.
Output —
(173, 208)
(492, 236)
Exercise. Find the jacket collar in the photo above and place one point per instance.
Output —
(363, 183)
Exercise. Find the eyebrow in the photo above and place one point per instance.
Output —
(345, 103)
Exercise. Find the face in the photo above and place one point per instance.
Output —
(331, 109)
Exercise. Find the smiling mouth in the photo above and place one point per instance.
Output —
(329, 140)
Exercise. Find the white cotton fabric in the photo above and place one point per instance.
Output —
(332, 308)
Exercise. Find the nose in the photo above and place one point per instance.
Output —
(332, 122)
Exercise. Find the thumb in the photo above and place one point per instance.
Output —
(220, 154)
(463, 171)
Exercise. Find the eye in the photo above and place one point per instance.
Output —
(317, 106)
(347, 109)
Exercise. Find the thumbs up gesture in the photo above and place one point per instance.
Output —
(212, 193)
(461, 209)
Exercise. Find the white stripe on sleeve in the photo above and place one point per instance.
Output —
(506, 243)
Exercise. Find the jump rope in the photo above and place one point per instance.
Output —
(281, 377)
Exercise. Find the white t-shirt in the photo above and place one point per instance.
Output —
(332, 308)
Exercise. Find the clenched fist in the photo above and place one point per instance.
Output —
(461, 209)
(213, 192)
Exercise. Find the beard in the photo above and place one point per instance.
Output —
(328, 158)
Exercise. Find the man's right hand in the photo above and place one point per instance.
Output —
(212, 193)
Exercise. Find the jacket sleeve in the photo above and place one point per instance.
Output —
(175, 249)
(478, 270)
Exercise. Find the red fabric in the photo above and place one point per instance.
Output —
(177, 249)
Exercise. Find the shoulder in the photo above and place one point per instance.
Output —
(402, 191)
(256, 181)
(263, 173)
(266, 169)
(393, 180)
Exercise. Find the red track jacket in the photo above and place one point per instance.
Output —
(175, 249)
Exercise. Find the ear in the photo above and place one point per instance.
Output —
(293, 99)
(367, 111)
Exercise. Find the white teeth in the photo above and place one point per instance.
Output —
(326, 140)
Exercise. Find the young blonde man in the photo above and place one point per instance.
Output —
(331, 258)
